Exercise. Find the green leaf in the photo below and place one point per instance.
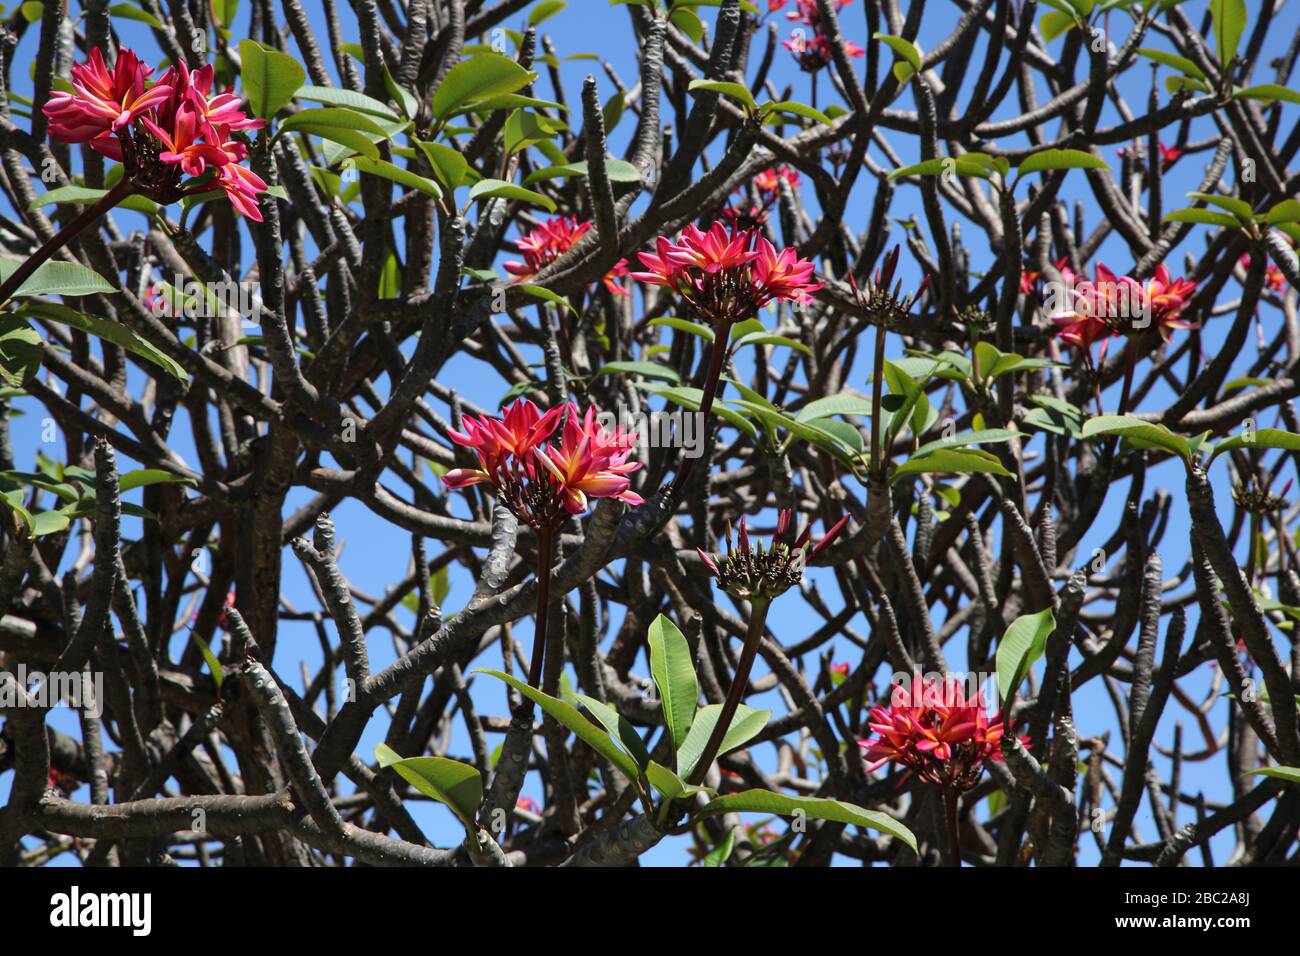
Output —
(1178, 84)
(1268, 92)
(950, 461)
(333, 96)
(722, 852)
(481, 76)
(1138, 432)
(524, 128)
(674, 674)
(108, 330)
(20, 351)
(56, 278)
(1056, 415)
(1229, 18)
(619, 729)
(570, 717)
(793, 108)
(1021, 646)
(1055, 23)
(841, 404)
(402, 97)
(1179, 63)
(735, 91)
(49, 522)
(403, 177)
(765, 801)
(84, 196)
(1263, 438)
(645, 369)
(1049, 159)
(126, 11)
(684, 325)
(689, 398)
(668, 783)
(1236, 207)
(903, 48)
(1288, 210)
(766, 338)
(1289, 774)
(550, 295)
(456, 784)
(746, 724)
(958, 165)
(447, 162)
(499, 188)
(348, 127)
(270, 78)
(618, 171)
(980, 436)
(143, 477)
(689, 22)
(1205, 217)
(214, 665)
(545, 10)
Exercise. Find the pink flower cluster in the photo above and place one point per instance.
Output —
(934, 730)
(538, 481)
(727, 275)
(159, 131)
(768, 184)
(552, 239)
(812, 53)
(1111, 305)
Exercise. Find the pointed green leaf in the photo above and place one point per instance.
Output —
(735, 91)
(483, 75)
(1021, 646)
(456, 784)
(570, 717)
(765, 801)
(1049, 159)
(270, 78)
(673, 671)
(745, 725)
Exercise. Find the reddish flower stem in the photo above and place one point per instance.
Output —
(717, 355)
(877, 380)
(63, 237)
(543, 606)
(739, 683)
(950, 796)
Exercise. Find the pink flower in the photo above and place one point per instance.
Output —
(768, 182)
(806, 11)
(1080, 331)
(936, 732)
(195, 88)
(540, 483)
(158, 132)
(1168, 298)
(585, 465)
(815, 54)
(103, 101)
(494, 441)
(545, 244)
(552, 239)
(182, 143)
(727, 275)
(1274, 279)
(783, 276)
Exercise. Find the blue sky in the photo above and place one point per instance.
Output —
(376, 556)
